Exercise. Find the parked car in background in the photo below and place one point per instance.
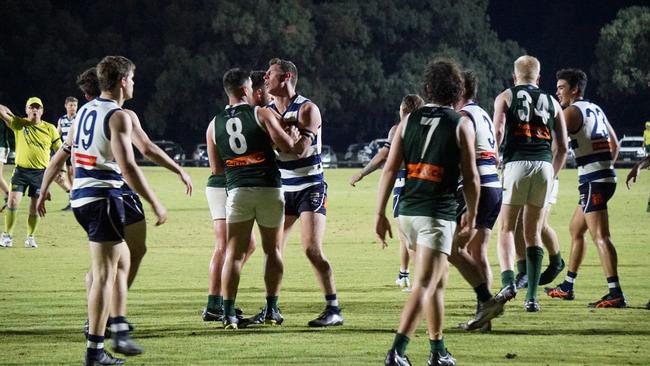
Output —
(631, 149)
(171, 148)
(200, 155)
(370, 150)
(328, 157)
(351, 157)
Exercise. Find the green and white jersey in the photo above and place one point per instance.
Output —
(529, 122)
(432, 160)
(245, 148)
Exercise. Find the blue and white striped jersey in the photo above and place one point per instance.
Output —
(64, 124)
(96, 173)
(484, 146)
(591, 145)
(299, 173)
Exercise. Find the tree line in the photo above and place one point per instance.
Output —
(355, 59)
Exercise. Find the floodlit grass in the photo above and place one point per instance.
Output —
(43, 307)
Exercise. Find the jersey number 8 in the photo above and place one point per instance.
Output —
(236, 140)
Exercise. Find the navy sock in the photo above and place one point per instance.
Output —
(614, 286)
(94, 346)
(569, 280)
(119, 326)
(331, 301)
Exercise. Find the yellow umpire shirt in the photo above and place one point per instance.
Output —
(34, 142)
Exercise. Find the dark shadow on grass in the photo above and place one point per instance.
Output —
(558, 332)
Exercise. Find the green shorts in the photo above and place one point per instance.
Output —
(25, 179)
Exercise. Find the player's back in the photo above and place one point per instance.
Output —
(530, 119)
(64, 124)
(245, 148)
(97, 174)
(432, 158)
(591, 144)
(484, 146)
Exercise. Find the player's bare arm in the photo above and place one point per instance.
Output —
(121, 126)
(614, 146)
(636, 170)
(559, 135)
(6, 115)
(308, 126)
(274, 128)
(393, 163)
(57, 161)
(471, 181)
(216, 165)
(154, 153)
(501, 104)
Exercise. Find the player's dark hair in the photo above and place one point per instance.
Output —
(257, 77)
(412, 102)
(470, 85)
(111, 70)
(286, 66)
(88, 83)
(233, 79)
(443, 82)
(574, 77)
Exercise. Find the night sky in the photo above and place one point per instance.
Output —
(564, 34)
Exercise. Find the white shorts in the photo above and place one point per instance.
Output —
(264, 204)
(527, 183)
(552, 197)
(427, 231)
(4, 153)
(216, 202)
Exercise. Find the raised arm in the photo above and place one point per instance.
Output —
(274, 128)
(154, 153)
(391, 168)
(471, 181)
(121, 125)
(6, 115)
(308, 128)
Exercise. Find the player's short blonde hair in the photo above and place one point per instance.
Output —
(527, 69)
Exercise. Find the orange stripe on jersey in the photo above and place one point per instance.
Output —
(600, 145)
(430, 172)
(540, 132)
(254, 158)
(83, 159)
(487, 155)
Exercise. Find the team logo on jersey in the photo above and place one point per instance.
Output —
(254, 158)
(430, 172)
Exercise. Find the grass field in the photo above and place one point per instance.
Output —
(43, 308)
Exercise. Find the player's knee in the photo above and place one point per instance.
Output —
(315, 255)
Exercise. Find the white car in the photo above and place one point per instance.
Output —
(632, 149)
(328, 157)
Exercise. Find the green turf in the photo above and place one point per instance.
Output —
(43, 308)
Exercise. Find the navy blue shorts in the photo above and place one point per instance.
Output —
(310, 199)
(397, 191)
(133, 210)
(103, 220)
(594, 195)
(489, 206)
